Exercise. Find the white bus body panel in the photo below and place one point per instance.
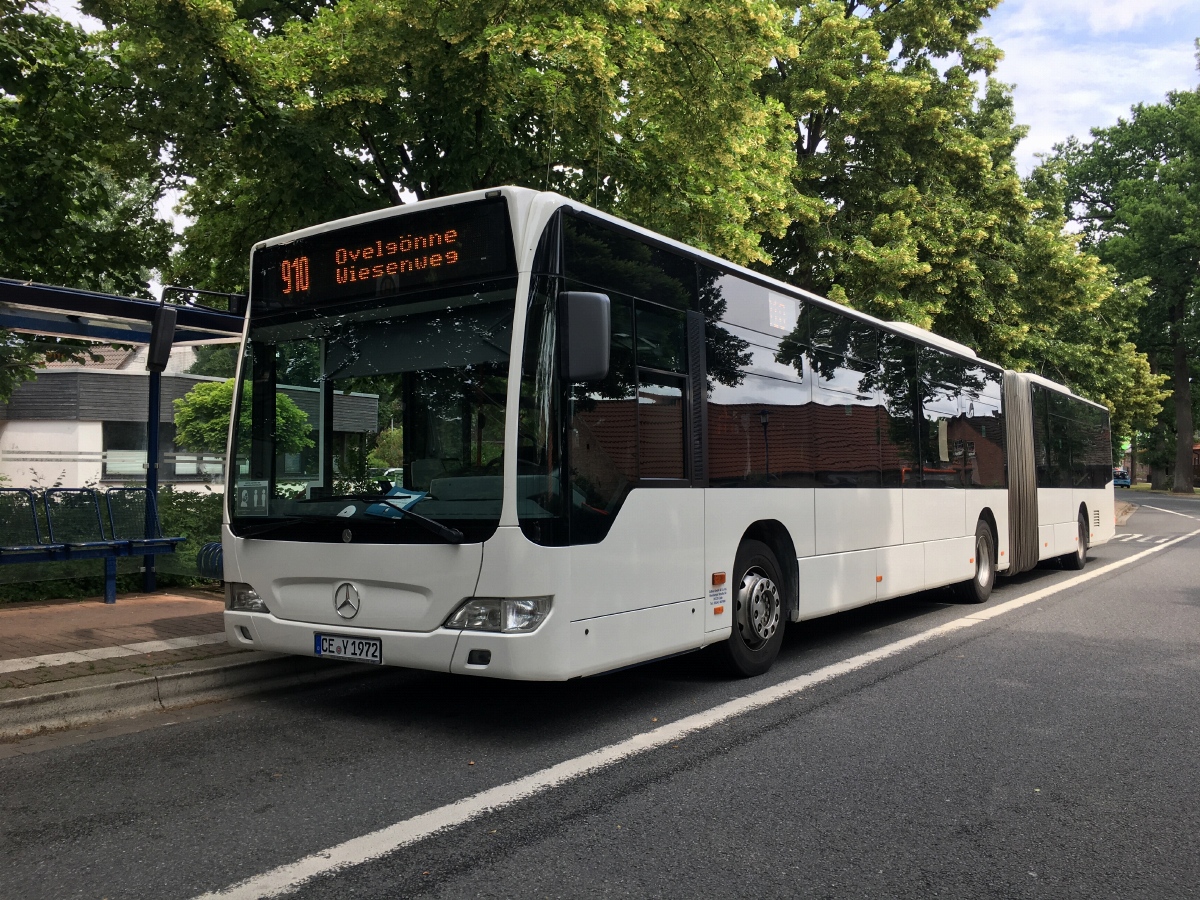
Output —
(403, 587)
(837, 581)
(652, 556)
(858, 518)
(934, 514)
(901, 570)
(1102, 512)
(1058, 513)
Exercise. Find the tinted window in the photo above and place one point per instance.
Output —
(616, 261)
(602, 432)
(759, 434)
(752, 306)
(661, 337)
(898, 412)
(984, 428)
(942, 446)
(759, 429)
(1072, 441)
(660, 428)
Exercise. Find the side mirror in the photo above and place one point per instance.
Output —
(585, 335)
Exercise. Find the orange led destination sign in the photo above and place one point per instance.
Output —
(385, 257)
(411, 253)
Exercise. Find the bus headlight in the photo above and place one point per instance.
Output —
(508, 615)
(243, 598)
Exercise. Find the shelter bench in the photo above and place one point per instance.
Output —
(75, 528)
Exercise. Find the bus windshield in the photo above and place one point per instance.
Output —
(350, 418)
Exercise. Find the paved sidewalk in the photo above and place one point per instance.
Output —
(43, 643)
(65, 664)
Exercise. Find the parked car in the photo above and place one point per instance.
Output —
(1120, 478)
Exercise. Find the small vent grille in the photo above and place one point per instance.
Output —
(1095, 518)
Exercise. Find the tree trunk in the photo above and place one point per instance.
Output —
(1184, 428)
(1159, 475)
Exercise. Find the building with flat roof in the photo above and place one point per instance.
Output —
(82, 424)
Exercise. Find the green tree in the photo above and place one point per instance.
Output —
(77, 189)
(646, 107)
(908, 204)
(389, 446)
(1135, 190)
(202, 420)
(215, 360)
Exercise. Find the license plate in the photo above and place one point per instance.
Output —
(336, 646)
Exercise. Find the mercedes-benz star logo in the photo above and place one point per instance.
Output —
(345, 600)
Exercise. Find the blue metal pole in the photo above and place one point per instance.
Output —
(152, 457)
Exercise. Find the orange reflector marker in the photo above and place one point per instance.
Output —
(971, 560)
(878, 578)
(717, 610)
(718, 578)
(1001, 552)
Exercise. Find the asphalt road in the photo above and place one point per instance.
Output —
(1049, 751)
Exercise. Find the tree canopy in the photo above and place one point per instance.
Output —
(844, 145)
(1135, 191)
(284, 114)
(77, 187)
(908, 205)
(202, 420)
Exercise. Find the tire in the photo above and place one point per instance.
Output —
(979, 588)
(1077, 560)
(759, 612)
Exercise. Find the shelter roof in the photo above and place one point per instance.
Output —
(89, 315)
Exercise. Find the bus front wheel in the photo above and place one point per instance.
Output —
(759, 608)
(979, 588)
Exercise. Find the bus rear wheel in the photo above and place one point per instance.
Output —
(1077, 560)
(759, 609)
(979, 588)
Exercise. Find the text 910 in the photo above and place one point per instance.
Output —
(295, 274)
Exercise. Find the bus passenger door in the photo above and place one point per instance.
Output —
(632, 458)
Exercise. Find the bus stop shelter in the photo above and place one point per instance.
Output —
(87, 315)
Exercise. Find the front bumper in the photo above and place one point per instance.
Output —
(515, 656)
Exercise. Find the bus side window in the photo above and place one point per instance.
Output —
(899, 411)
(983, 429)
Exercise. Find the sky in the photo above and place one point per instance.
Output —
(1074, 64)
(1080, 64)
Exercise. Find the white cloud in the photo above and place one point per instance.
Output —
(1100, 16)
(1080, 64)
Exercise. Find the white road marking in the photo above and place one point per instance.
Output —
(1132, 535)
(78, 656)
(1171, 511)
(356, 851)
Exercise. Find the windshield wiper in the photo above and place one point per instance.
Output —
(445, 532)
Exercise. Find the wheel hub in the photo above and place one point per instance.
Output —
(759, 608)
(983, 563)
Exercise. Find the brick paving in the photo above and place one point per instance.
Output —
(37, 629)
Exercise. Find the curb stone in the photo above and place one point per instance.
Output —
(92, 699)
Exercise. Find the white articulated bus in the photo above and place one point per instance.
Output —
(615, 448)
